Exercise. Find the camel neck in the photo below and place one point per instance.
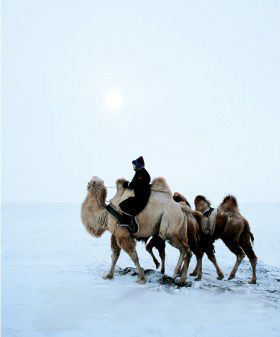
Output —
(93, 204)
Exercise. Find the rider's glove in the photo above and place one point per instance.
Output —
(125, 184)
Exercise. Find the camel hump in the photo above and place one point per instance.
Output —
(121, 181)
(159, 184)
(230, 203)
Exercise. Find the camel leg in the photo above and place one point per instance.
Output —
(115, 255)
(183, 245)
(179, 263)
(127, 243)
(247, 247)
(211, 256)
(199, 255)
(195, 271)
(159, 244)
(187, 259)
(199, 269)
(135, 259)
(149, 249)
(236, 249)
(162, 257)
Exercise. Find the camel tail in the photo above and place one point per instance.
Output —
(248, 230)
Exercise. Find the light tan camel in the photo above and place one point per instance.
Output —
(162, 216)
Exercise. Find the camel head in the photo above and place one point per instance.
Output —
(98, 190)
(94, 183)
(201, 203)
(178, 197)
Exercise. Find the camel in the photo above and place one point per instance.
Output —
(162, 216)
(155, 242)
(194, 237)
(233, 229)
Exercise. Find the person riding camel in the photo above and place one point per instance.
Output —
(141, 186)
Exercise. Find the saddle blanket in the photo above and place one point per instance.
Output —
(208, 223)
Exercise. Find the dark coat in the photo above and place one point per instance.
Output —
(141, 186)
(140, 183)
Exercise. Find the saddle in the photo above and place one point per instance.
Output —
(123, 219)
(208, 221)
(133, 205)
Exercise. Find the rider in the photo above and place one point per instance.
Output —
(141, 186)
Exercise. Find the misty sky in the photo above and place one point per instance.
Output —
(193, 86)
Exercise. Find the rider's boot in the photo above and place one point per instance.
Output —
(128, 223)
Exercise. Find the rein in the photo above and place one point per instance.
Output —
(162, 191)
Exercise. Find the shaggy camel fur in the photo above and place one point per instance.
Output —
(233, 229)
(162, 216)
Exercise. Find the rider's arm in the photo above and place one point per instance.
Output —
(133, 182)
(141, 177)
(146, 177)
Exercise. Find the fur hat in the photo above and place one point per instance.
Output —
(139, 163)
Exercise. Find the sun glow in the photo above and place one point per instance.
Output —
(113, 100)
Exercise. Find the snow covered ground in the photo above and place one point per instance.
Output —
(52, 283)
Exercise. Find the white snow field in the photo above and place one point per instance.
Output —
(52, 282)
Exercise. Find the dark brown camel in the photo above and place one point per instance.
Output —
(156, 242)
(195, 234)
(233, 229)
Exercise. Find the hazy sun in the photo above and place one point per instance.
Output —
(113, 100)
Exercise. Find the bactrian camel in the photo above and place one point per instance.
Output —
(162, 216)
(233, 229)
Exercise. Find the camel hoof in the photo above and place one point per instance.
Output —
(220, 277)
(198, 278)
(253, 282)
(141, 281)
(231, 277)
(108, 277)
(193, 274)
(157, 265)
(180, 281)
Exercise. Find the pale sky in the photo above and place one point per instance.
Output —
(193, 86)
